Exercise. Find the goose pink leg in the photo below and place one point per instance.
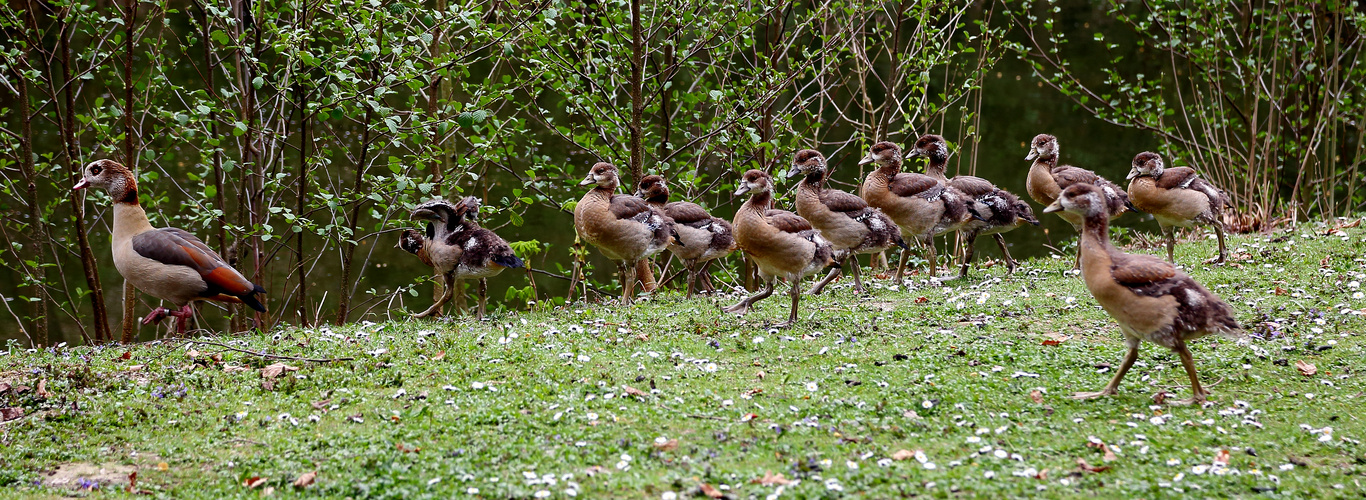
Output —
(182, 316)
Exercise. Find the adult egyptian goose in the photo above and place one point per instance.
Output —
(624, 228)
(1177, 197)
(997, 210)
(705, 238)
(458, 248)
(781, 243)
(920, 205)
(1150, 299)
(1047, 179)
(846, 221)
(167, 263)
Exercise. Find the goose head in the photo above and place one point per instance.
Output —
(882, 153)
(653, 188)
(1146, 163)
(931, 146)
(756, 182)
(604, 175)
(1084, 199)
(806, 162)
(1042, 146)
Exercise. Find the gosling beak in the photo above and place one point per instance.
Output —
(795, 171)
(1055, 207)
(81, 185)
(588, 180)
(744, 188)
(867, 159)
(1033, 153)
(1133, 172)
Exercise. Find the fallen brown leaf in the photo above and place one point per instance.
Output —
(1221, 458)
(439, 356)
(1081, 462)
(1051, 342)
(192, 354)
(669, 445)
(1160, 397)
(710, 491)
(254, 482)
(42, 389)
(771, 479)
(1036, 396)
(277, 369)
(1281, 291)
(1306, 368)
(632, 391)
(903, 455)
(306, 479)
(126, 355)
(163, 466)
(7, 414)
(320, 405)
(235, 369)
(136, 368)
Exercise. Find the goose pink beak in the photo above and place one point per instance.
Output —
(81, 185)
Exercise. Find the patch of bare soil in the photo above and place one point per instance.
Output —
(86, 476)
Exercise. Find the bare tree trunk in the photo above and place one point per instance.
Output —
(637, 83)
(38, 309)
(254, 169)
(349, 248)
(68, 125)
(236, 322)
(130, 294)
(305, 140)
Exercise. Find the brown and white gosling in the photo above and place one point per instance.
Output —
(1150, 299)
(624, 228)
(920, 205)
(167, 263)
(705, 238)
(995, 210)
(1177, 197)
(1047, 179)
(781, 243)
(846, 221)
(452, 230)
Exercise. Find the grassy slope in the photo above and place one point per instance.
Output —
(950, 375)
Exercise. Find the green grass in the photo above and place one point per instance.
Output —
(532, 402)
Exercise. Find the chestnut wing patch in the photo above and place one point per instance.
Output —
(840, 201)
(786, 222)
(1068, 175)
(177, 247)
(905, 184)
(683, 212)
(1138, 270)
(625, 206)
(1176, 178)
(973, 186)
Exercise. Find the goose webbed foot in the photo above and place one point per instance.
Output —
(1093, 395)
